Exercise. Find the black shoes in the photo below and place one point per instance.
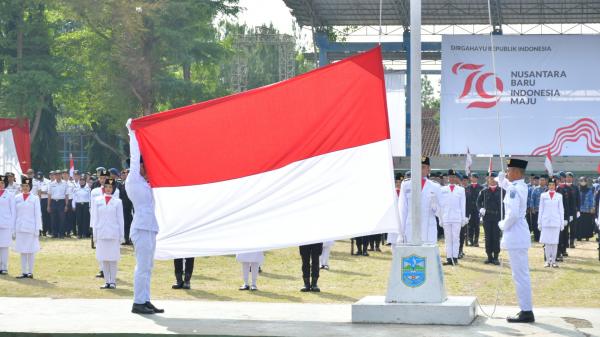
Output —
(314, 287)
(100, 274)
(365, 253)
(186, 281)
(178, 281)
(141, 309)
(522, 317)
(448, 262)
(245, 287)
(455, 261)
(496, 262)
(22, 276)
(488, 261)
(109, 286)
(306, 287)
(3, 272)
(151, 306)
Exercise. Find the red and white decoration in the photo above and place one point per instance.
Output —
(548, 164)
(301, 161)
(15, 148)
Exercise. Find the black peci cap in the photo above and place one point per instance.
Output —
(425, 160)
(451, 172)
(518, 163)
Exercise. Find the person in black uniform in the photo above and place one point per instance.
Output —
(569, 207)
(576, 204)
(127, 206)
(183, 276)
(489, 202)
(472, 192)
(310, 266)
(361, 245)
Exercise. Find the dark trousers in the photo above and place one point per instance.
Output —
(128, 218)
(374, 241)
(361, 244)
(563, 240)
(533, 227)
(473, 231)
(82, 218)
(463, 237)
(45, 216)
(311, 253)
(179, 265)
(70, 222)
(492, 238)
(573, 230)
(57, 215)
(585, 226)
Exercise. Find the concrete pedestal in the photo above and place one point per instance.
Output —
(416, 293)
(460, 310)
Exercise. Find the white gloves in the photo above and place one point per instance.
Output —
(465, 222)
(501, 225)
(539, 227)
(482, 211)
(122, 240)
(570, 218)
(501, 177)
(128, 124)
(596, 221)
(578, 214)
(565, 223)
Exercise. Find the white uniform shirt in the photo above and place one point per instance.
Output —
(58, 191)
(29, 214)
(452, 204)
(551, 213)
(43, 188)
(7, 210)
(71, 185)
(81, 194)
(516, 230)
(430, 196)
(107, 219)
(139, 191)
(35, 186)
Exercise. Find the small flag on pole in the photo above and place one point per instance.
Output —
(490, 168)
(71, 165)
(468, 162)
(548, 163)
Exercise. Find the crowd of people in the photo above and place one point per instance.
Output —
(97, 206)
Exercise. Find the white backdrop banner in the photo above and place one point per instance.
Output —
(545, 88)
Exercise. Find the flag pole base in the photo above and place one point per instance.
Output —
(416, 293)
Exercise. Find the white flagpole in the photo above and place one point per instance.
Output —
(415, 119)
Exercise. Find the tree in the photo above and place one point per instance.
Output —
(428, 99)
(29, 73)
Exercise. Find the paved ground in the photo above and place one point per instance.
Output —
(83, 316)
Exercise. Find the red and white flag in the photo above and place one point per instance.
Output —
(548, 163)
(468, 162)
(301, 161)
(71, 165)
(490, 168)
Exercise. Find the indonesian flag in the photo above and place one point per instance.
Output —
(302, 161)
(548, 163)
(71, 165)
(15, 146)
(490, 167)
(468, 162)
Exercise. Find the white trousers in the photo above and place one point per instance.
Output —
(550, 251)
(110, 271)
(27, 262)
(4, 258)
(452, 239)
(519, 265)
(248, 267)
(324, 258)
(144, 243)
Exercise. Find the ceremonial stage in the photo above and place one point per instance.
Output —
(51, 317)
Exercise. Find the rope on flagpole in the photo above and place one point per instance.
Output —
(380, 16)
(500, 270)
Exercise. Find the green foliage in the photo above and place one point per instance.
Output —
(428, 98)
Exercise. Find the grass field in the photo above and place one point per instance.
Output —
(66, 269)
